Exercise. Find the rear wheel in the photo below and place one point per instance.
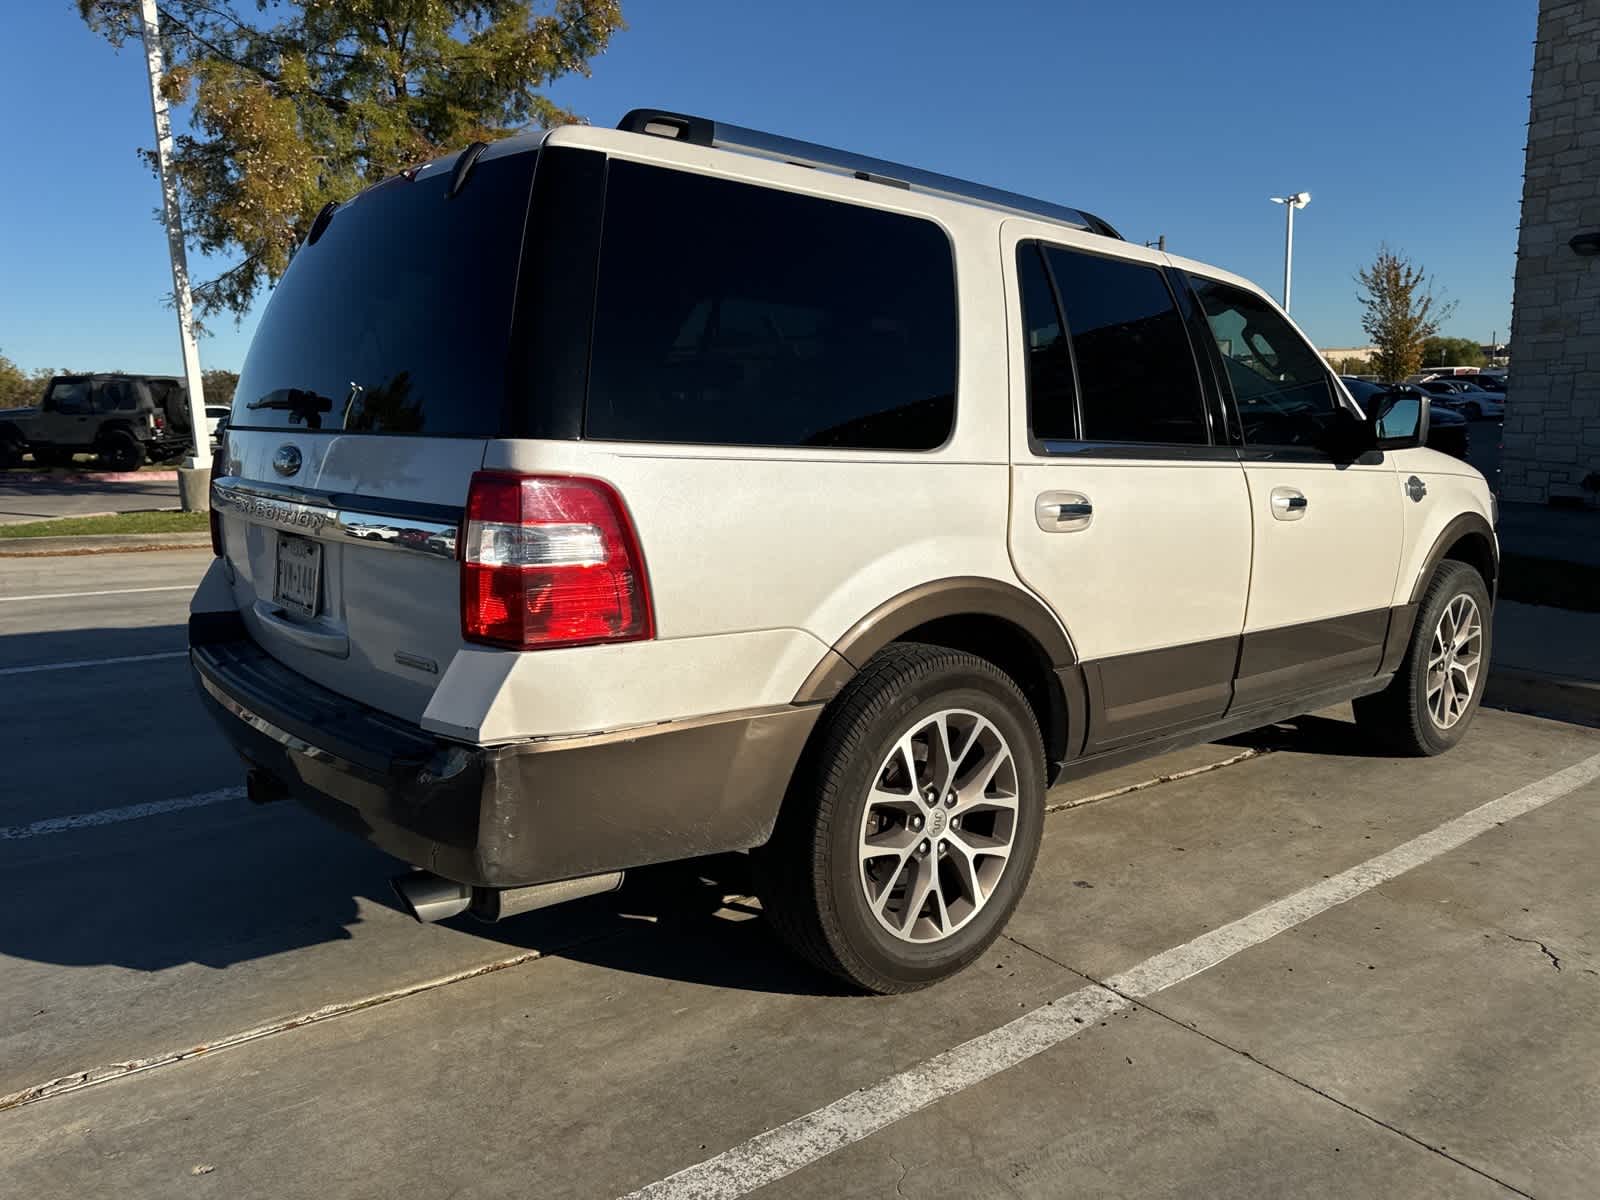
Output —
(120, 451)
(912, 828)
(1430, 702)
(11, 451)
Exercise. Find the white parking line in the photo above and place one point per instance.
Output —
(93, 662)
(112, 816)
(782, 1151)
(180, 587)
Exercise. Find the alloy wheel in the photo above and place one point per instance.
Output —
(1454, 660)
(939, 825)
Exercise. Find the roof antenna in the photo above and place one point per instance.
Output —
(464, 163)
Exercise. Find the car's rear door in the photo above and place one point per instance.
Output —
(1129, 513)
(1327, 527)
(377, 376)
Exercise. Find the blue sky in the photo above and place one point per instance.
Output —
(1405, 119)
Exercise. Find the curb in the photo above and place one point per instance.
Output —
(102, 543)
(92, 477)
(1557, 696)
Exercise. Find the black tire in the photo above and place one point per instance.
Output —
(808, 875)
(11, 452)
(1399, 717)
(120, 451)
(1474, 412)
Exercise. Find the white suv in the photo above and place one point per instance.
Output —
(605, 497)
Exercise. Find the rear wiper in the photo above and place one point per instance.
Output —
(301, 405)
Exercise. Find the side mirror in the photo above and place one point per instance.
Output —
(1399, 421)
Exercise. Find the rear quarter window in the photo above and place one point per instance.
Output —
(733, 314)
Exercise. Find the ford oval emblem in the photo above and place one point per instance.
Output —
(287, 460)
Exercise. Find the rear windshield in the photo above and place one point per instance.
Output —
(398, 318)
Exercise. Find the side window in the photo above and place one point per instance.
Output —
(1279, 382)
(70, 398)
(113, 395)
(1136, 373)
(734, 314)
(1052, 412)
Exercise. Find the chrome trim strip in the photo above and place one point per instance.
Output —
(304, 512)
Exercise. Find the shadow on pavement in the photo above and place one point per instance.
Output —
(681, 921)
(1311, 735)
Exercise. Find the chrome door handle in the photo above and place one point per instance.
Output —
(1063, 512)
(1289, 504)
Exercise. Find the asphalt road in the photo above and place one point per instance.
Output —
(1276, 967)
(69, 495)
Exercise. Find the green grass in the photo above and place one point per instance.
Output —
(135, 522)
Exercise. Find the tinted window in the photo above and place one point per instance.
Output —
(742, 315)
(116, 395)
(1136, 373)
(69, 397)
(397, 319)
(1279, 382)
(1051, 411)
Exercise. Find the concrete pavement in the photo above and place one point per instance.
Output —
(1421, 1038)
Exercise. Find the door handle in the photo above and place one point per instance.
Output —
(1289, 504)
(1063, 512)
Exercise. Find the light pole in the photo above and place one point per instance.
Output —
(194, 495)
(1290, 203)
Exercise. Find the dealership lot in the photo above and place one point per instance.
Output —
(201, 996)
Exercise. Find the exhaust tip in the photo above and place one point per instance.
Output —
(429, 898)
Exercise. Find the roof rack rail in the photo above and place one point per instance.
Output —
(702, 131)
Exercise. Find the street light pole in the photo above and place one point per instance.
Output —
(1290, 203)
(150, 28)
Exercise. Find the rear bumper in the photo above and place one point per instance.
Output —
(500, 816)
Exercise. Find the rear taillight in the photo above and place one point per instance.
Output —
(550, 561)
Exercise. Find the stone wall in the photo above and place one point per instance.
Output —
(1552, 426)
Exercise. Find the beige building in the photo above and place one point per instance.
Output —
(1552, 425)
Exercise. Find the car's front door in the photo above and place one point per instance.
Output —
(1328, 530)
(65, 418)
(1128, 517)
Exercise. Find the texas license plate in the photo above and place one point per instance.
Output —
(299, 573)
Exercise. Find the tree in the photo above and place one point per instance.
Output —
(1351, 366)
(19, 388)
(1399, 312)
(297, 103)
(1451, 352)
(218, 386)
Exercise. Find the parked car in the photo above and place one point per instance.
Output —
(749, 495)
(116, 417)
(1447, 430)
(1468, 399)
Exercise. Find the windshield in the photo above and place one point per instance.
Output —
(398, 318)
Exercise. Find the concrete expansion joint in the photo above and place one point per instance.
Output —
(1145, 1004)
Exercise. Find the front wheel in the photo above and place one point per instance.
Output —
(1432, 699)
(912, 826)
